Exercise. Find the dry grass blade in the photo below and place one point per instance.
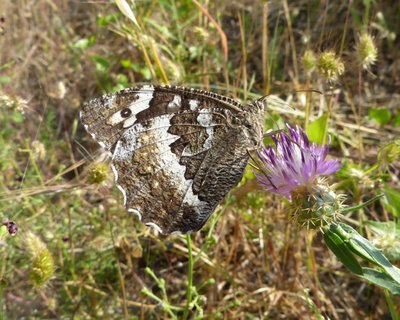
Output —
(224, 41)
(127, 11)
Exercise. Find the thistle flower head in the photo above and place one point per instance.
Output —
(293, 168)
(294, 163)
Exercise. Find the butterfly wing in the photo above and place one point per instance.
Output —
(175, 152)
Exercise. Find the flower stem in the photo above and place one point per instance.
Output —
(362, 205)
(120, 276)
(1, 299)
(391, 306)
(190, 277)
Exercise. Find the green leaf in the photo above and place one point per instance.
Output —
(274, 122)
(126, 63)
(366, 250)
(344, 242)
(4, 80)
(3, 232)
(18, 117)
(381, 279)
(339, 247)
(384, 228)
(102, 64)
(380, 115)
(389, 153)
(396, 121)
(81, 44)
(393, 198)
(316, 131)
(106, 20)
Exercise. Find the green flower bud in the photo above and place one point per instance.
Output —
(315, 207)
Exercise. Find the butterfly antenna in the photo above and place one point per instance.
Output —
(272, 132)
(307, 90)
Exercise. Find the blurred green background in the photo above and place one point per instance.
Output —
(79, 255)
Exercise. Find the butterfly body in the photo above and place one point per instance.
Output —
(176, 152)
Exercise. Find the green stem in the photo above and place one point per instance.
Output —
(120, 276)
(1, 302)
(361, 205)
(190, 277)
(390, 304)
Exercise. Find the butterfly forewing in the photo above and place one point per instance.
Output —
(176, 152)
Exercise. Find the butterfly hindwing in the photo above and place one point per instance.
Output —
(175, 152)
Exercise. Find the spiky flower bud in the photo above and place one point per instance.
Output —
(317, 206)
(98, 173)
(42, 262)
(330, 66)
(366, 51)
(309, 61)
(294, 168)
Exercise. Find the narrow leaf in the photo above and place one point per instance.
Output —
(393, 198)
(336, 244)
(316, 131)
(124, 7)
(381, 279)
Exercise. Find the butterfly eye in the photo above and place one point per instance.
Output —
(125, 113)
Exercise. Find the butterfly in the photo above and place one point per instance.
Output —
(175, 152)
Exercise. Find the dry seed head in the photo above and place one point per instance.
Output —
(201, 33)
(366, 51)
(34, 244)
(42, 262)
(18, 104)
(173, 70)
(389, 243)
(98, 173)
(309, 61)
(330, 66)
(61, 90)
(38, 150)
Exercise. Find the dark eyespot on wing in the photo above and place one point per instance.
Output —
(125, 113)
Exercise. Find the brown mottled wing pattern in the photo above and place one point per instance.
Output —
(176, 152)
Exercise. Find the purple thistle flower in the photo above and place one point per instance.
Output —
(294, 163)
